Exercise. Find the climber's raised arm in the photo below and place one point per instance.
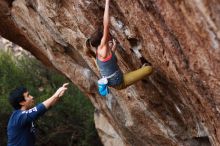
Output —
(105, 37)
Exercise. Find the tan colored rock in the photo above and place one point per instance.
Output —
(107, 133)
(6, 45)
(178, 105)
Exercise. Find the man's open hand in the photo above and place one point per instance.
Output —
(60, 92)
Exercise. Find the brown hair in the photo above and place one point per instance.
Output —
(96, 37)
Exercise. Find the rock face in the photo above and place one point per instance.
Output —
(179, 104)
(6, 45)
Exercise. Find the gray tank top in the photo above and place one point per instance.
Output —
(110, 67)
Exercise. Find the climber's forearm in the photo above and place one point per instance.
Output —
(106, 24)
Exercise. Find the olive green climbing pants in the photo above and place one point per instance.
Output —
(134, 76)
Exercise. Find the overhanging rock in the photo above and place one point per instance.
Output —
(177, 105)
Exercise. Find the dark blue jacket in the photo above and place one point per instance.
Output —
(21, 130)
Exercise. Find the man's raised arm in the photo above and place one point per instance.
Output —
(55, 97)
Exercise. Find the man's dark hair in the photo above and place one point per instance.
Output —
(16, 96)
(96, 37)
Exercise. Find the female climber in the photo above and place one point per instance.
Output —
(106, 59)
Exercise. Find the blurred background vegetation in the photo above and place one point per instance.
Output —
(69, 123)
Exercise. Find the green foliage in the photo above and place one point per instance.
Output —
(69, 123)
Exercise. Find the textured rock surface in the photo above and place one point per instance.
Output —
(6, 45)
(178, 105)
(107, 133)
